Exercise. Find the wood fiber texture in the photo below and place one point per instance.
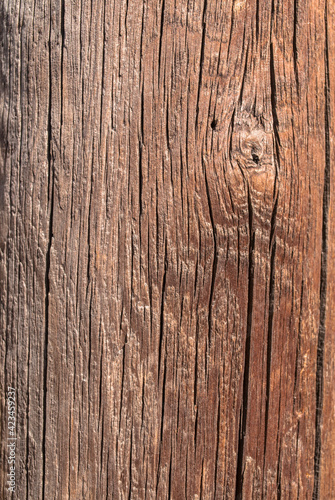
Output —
(167, 247)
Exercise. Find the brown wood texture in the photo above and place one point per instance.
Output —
(167, 248)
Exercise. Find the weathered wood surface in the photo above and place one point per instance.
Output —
(168, 249)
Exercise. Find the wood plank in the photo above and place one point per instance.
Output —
(166, 248)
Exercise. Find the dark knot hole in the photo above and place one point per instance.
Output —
(214, 124)
(255, 158)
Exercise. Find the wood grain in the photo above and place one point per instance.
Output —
(167, 248)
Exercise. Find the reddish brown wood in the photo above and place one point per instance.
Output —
(167, 248)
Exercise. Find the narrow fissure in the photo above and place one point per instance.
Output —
(47, 270)
(214, 268)
(274, 103)
(202, 55)
(323, 279)
(161, 323)
(269, 342)
(245, 394)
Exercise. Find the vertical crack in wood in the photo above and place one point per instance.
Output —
(122, 384)
(21, 80)
(323, 277)
(257, 20)
(102, 74)
(62, 29)
(202, 55)
(279, 496)
(201, 479)
(130, 460)
(273, 218)
(214, 267)
(272, 248)
(140, 159)
(244, 74)
(269, 341)
(274, 103)
(161, 428)
(28, 420)
(245, 394)
(88, 289)
(163, 403)
(47, 269)
(161, 322)
(295, 50)
(161, 40)
(170, 471)
(217, 440)
(195, 385)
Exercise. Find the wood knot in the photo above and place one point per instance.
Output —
(252, 144)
